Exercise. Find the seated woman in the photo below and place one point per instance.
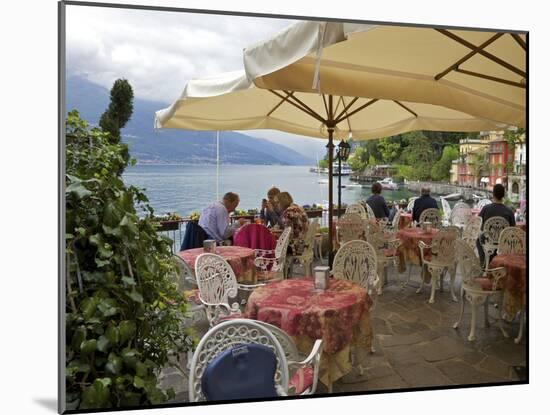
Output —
(270, 212)
(296, 217)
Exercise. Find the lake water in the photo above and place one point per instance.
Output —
(186, 188)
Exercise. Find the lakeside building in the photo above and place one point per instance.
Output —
(463, 170)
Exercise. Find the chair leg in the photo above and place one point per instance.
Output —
(517, 340)
(472, 335)
(461, 315)
(486, 309)
(452, 287)
(500, 318)
(435, 277)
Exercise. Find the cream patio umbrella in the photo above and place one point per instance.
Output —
(231, 102)
(479, 72)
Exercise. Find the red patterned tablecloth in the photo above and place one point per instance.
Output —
(254, 236)
(409, 252)
(405, 219)
(515, 284)
(521, 225)
(338, 315)
(239, 258)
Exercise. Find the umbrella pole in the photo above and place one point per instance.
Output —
(330, 148)
(339, 183)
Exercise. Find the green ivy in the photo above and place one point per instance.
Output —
(124, 313)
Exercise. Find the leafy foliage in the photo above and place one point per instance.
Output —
(441, 169)
(124, 313)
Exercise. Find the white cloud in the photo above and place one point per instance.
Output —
(158, 52)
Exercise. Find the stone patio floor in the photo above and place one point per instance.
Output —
(417, 346)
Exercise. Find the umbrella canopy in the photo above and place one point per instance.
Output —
(231, 102)
(482, 73)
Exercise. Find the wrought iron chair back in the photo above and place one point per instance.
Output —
(350, 227)
(482, 203)
(226, 335)
(431, 215)
(446, 209)
(472, 230)
(511, 241)
(460, 215)
(357, 208)
(411, 204)
(357, 261)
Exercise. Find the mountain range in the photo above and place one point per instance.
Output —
(148, 145)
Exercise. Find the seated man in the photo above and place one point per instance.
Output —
(425, 201)
(214, 219)
(497, 208)
(377, 202)
(270, 212)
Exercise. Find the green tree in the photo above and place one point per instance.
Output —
(389, 149)
(441, 169)
(120, 109)
(123, 309)
(418, 154)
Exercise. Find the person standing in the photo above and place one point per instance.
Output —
(214, 219)
(377, 202)
(425, 201)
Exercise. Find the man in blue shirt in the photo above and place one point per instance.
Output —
(214, 218)
(377, 202)
(425, 201)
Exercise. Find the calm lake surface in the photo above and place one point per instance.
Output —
(186, 188)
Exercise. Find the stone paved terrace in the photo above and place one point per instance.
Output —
(416, 346)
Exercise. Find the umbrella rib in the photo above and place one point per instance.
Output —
(520, 41)
(279, 104)
(347, 119)
(482, 52)
(406, 108)
(305, 107)
(307, 111)
(468, 56)
(338, 120)
(347, 107)
(325, 103)
(491, 78)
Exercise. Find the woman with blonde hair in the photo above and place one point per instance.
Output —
(295, 217)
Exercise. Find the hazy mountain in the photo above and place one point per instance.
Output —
(176, 146)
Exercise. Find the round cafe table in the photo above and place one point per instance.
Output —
(239, 258)
(409, 252)
(339, 315)
(515, 283)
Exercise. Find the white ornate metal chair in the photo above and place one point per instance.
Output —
(350, 227)
(477, 287)
(511, 241)
(359, 209)
(386, 245)
(482, 203)
(461, 204)
(394, 225)
(271, 265)
(370, 212)
(306, 258)
(460, 215)
(431, 215)
(411, 204)
(471, 232)
(303, 370)
(446, 210)
(357, 261)
(217, 286)
(490, 235)
(225, 336)
(441, 260)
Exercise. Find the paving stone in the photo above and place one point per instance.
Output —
(408, 328)
(380, 326)
(422, 374)
(381, 383)
(495, 366)
(402, 355)
(507, 351)
(442, 348)
(426, 315)
(400, 339)
(429, 334)
(464, 374)
(473, 357)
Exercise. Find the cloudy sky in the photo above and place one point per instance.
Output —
(158, 52)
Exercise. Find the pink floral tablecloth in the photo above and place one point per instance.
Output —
(338, 315)
(516, 280)
(254, 236)
(239, 258)
(404, 220)
(409, 252)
